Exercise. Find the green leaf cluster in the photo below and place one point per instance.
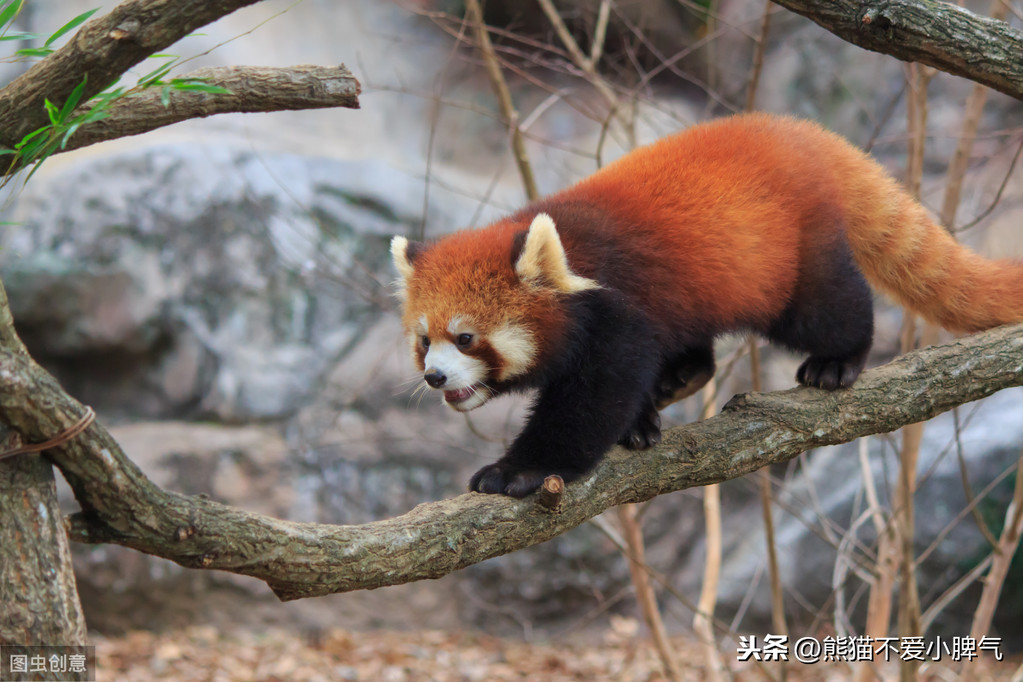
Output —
(9, 10)
(67, 117)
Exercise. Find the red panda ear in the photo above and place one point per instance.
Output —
(543, 261)
(404, 253)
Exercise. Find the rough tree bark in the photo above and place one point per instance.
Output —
(931, 32)
(120, 505)
(253, 89)
(35, 543)
(37, 583)
(103, 49)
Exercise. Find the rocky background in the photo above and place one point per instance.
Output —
(219, 292)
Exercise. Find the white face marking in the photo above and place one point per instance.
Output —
(463, 390)
(458, 326)
(461, 370)
(515, 345)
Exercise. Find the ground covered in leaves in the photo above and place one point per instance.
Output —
(620, 653)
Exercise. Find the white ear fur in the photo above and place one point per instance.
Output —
(543, 260)
(399, 253)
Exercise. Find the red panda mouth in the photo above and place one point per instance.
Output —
(460, 394)
(468, 398)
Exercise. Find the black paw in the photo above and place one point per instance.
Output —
(504, 479)
(828, 373)
(645, 431)
(683, 376)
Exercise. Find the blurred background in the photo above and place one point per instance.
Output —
(219, 291)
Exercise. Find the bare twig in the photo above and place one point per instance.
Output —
(704, 615)
(1008, 542)
(778, 622)
(758, 57)
(632, 532)
(998, 195)
(912, 435)
(504, 100)
(588, 65)
(971, 122)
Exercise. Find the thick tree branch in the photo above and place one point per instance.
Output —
(37, 582)
(120, 505)
(253, 89)
(931, 32)
(102, 50)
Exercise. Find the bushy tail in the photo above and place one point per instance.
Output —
(906, 255)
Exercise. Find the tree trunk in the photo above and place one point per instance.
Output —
(37, 583)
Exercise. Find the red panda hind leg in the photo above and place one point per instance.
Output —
(645, 431)
(831, 317)
(684, 374)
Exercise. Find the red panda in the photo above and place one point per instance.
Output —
(606, 297)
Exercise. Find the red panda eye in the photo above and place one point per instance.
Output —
(426, 341)
(464, 340)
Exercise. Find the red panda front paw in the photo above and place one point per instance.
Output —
(504, 479)
(645, 431)
(829, 373)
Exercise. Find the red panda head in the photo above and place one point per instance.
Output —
(482, 307)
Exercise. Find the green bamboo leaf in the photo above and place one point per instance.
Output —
(107, 96)
(201, 87)
(93, 115)
(9, 11)
(35, 52)
(52, 111)
(74, 23)
(154, 76)
(35, 167)
(20, 35)
(70, 131)
(73, 99)
(27, 140)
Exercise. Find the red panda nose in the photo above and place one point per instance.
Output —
(435, 377)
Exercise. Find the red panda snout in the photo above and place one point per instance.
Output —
(460, 374)
(435, 378)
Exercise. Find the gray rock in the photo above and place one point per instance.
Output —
(231, 290)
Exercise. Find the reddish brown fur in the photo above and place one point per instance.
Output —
(717, 221)
(473, 278)
(609, 307)
(689, 201)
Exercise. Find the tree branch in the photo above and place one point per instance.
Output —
(931, 32)
(120, 505)
(253, 89)
(102, 50)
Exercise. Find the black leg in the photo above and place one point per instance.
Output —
(684, 374)
(680, 376)
(645, 431)
(590, 395)
(831, 317)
